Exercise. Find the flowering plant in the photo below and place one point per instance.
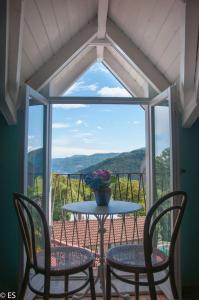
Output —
(98, 180)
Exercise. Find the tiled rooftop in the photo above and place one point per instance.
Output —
(84, 233)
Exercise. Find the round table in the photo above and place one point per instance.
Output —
(101, 213)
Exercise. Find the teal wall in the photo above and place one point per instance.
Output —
(190, 183)
(9, 182)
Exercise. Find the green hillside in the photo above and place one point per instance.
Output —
(127, 162)
(74, 163)
(35, 161)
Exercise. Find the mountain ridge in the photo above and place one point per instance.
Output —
(125, 162)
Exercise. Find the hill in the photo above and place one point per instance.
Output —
(74, 163)
(127, 162)
(35, 161)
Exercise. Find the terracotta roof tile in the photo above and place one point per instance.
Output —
(85, 233)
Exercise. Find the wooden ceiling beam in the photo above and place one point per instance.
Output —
(102, 19)
(189, 75)
(136, 57)
(7, 105)
(60, 84)
(16, 24)
(120, 72)
(64, 56)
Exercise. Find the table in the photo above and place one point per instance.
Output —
(101, 213)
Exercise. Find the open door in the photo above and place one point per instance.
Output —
(164, 159)
(36, 151)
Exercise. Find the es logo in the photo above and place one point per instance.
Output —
(8, 295)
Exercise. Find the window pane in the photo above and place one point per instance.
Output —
(162, 149)
(35, 152)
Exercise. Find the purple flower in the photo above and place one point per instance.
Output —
(98, 179)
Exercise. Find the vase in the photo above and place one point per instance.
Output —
(103, 196)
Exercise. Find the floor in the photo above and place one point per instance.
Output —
(58, 285)
(143, 297)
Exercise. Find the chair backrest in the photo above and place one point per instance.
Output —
(34, 230)
(160, 229)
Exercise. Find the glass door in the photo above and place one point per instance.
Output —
(36, 177)
(164, 161)
(163, 144)
(162, 148)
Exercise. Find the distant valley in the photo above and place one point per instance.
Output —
(127, 162)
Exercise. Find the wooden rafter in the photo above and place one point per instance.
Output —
(189, 76)
(60, 84)
(64, 56)
(136, 57)
(102, 19)
(16, 11)
(119, 71)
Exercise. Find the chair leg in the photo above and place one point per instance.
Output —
(108, 282)
(92, 283)
(46, 288)
(66, 286)
(137, 286)
(152, 289)
(173, 281)
(24, 284)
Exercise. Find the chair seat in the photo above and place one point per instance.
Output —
(67, 259)
(131, 257)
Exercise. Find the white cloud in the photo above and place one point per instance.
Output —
(98, 67)
(63, 151)
(79, 122)
(60, 125)
(136, 122)
(91, 87)
(88, 140)
(113, 92)
(74, 88)
(81, 86)
(106, 110)
(69, 106)
(30, 137)
(99, 127)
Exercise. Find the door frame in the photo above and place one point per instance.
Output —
(148, 103)
(29, 93)
(171, 95)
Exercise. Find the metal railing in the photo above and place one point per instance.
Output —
(83, 231)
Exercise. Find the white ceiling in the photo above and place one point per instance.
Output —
(48, 25)
(153, 26)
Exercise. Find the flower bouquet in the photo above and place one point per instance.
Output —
(99, 181)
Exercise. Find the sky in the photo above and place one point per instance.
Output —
(95, 128)
(87, 129)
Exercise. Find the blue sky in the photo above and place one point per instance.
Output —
(88, 129)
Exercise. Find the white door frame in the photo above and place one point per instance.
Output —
(28, 94)
(170, 95)
(148, 103)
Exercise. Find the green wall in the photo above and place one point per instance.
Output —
(190, 183)
(9, 182)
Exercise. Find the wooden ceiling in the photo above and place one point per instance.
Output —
(48, 25)
(153, 26)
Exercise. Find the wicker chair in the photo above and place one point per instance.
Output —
(151, 257)
(43, 261)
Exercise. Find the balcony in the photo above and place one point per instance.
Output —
(75, 229)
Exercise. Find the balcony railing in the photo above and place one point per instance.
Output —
(82, 230)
